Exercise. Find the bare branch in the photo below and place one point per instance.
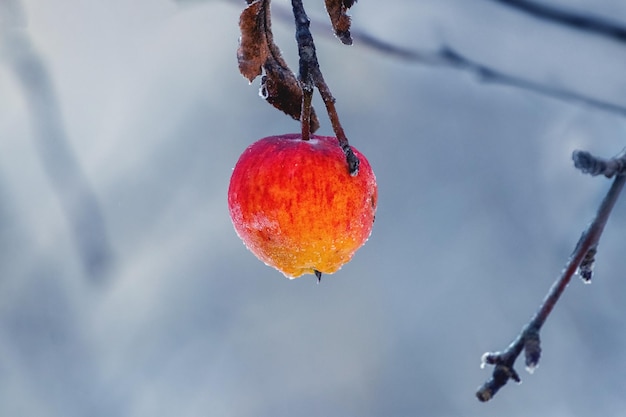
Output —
(311, 75)
(578, 21)
(580, 261)
(448, 57)
(451, 58)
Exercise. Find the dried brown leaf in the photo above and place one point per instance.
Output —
(280, 87)
(253, 50)
(337, 10)
(258, 54)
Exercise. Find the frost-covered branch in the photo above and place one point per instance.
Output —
(581, 262)
(311, 76)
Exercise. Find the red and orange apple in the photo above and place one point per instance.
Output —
(295, 205)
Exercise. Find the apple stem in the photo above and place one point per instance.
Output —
(310, 76)
(307, 97)
(308, 59)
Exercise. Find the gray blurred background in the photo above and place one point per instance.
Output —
(124, 290)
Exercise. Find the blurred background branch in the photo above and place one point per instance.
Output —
(447, 56)
(78, 200)
(579, 21)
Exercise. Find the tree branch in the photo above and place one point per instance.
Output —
(448, 57)
(311, 75)
(579, 21)
(580, 261)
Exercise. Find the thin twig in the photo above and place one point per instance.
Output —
(579, 21)
(310, 72)
(451, 58)
(448, 57)
(583, 256)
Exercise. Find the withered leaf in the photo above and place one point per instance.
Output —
(257, 54)
(280, 87)
(337, 10)
(253, 50)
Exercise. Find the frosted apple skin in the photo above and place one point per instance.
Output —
(297, 208)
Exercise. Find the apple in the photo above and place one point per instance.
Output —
(295, 205)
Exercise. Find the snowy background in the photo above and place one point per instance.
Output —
(479, 208)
